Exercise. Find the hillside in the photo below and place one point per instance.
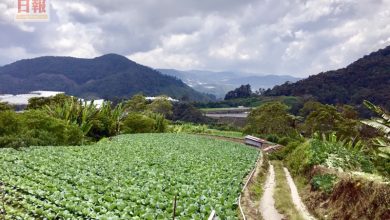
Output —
(367, 78)
(219, 83)
(108, 76)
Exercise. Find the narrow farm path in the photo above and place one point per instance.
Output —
(296, 198)
(249, 206)
(267, 202)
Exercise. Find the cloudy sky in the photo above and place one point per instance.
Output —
(293, 37)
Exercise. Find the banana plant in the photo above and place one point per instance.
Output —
(353, 144)
(74, 112)
(382, 124)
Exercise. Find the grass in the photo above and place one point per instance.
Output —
(282, 194)
(250, 200)
(256, 189)
(204, 129)
(232, 134)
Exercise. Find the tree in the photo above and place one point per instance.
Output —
(136, 104)
(5, 106)
(260, 91)
(161, 105)
(325, 119)
(188, 113)
(309, 107)
(244, 91)
(41, 102)
(269, 118)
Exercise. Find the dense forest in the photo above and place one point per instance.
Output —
(366, 79)
(109, 76)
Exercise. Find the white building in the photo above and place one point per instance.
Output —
(22, 99)
(161, 97)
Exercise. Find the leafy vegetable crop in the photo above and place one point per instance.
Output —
(129, 177)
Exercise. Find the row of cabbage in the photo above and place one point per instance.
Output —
(129, 177)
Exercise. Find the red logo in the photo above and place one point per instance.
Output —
(32, 10)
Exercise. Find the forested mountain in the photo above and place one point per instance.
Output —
(219, 83)
(367, 78)
(109, 76)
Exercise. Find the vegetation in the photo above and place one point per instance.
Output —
(324, 182)
(135, 177)
(162, 106)
(365, 79)
(5, 107)
(139, 123)
(326, 119)
(110, 76)
(203, 129)
(64, 120)
(382, 144)
(244, 91)
(41, 102)
(294, 103)
(188, 113)
(270, 118)
(328, 153)
(36, 128)
(282, 195)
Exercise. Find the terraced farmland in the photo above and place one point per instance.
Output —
(131, 176)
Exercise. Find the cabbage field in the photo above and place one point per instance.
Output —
(128, 177)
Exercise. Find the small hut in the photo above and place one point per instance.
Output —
(255, 141)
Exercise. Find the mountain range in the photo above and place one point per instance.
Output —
(365, 79)
(220, 83)
(109, 76)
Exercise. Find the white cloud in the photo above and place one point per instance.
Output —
(266, 36)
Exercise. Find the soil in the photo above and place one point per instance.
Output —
(267, 202)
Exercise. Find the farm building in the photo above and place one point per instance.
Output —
(254, 141)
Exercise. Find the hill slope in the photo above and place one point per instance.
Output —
(108, 76)
(219, 83)
(367, 78)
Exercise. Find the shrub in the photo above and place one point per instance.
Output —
(4, 106)
(284, 141)
(335, 155)
(285, 151)
(9, 123)
(138, 123)
(15, 141)
(46, 130)
(272, 138)
(324, 182)
(329, 154)
(35, 128)
(298, 160)
(160, 123)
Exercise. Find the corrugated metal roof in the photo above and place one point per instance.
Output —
(253, 138)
